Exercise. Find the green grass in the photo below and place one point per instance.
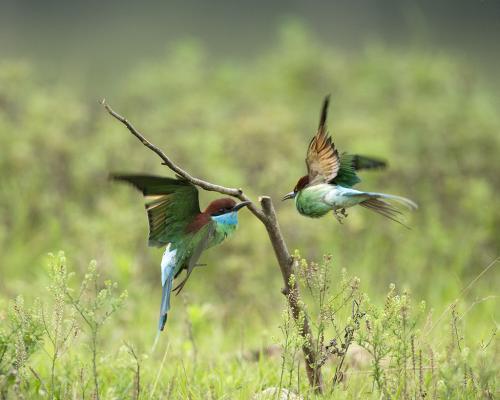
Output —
(247, 124)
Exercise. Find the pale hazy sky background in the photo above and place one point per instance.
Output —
(103, 38)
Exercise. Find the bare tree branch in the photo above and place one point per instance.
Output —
(178, 170)
(268, 217)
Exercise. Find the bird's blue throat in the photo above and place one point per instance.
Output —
(227, 219)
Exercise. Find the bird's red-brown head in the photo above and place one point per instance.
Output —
(220, 206)
(223, 206)
(301, 184)
(215, 208)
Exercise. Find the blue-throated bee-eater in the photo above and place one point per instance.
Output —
(330, 178)
(176, 221)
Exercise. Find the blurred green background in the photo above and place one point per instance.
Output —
(232, 91)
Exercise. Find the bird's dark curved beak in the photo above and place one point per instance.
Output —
(241, 205)
(288, 196)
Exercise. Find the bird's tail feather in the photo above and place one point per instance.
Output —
(409, 204)
(165, 304)
(165, 298)
(378, 203)
(168, 263)
(383, 208)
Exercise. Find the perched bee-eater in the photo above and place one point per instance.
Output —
(175, 221)
(330, 178)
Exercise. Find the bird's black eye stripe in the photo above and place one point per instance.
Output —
(221, 211)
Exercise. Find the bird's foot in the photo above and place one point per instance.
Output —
(340, 215)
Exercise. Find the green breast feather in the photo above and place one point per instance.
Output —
(310, 201)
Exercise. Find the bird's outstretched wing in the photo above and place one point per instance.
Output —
(171, 204)
(349, 164)
(322, 159)
(365, 162)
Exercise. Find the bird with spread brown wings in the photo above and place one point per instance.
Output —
(330, 178)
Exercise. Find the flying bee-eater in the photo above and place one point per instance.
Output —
(328, 185)
(176, 222)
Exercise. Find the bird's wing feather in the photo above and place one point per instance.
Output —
(364, 162)
(346, 175)
(171, 204)
(322, 159)
(349, 164)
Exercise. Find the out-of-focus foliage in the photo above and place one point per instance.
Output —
(247, 124)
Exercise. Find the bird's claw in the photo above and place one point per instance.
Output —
(340, 215)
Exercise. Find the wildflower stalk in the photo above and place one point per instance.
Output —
(95, 304)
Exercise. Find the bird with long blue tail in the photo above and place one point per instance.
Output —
(176, 222)
(328, 185)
